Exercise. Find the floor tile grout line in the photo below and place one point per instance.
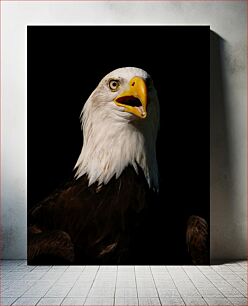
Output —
(136, 284)
(32, 286)
(92, 283)
(38, 301)
(210, 281)
(230, 283)
(117, 271)
(193, 284)
(241, 277)
(233, 303)
(44, 295)
(231, 271)
(176, 286)
(25, 290)
(216, 270)
(155, 285)
(15, 301)
(204, 298)
(73, 283)
(225, 281)
(50, 267)
(237, 264)
(20, 305)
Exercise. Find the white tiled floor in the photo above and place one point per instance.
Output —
(123, 285)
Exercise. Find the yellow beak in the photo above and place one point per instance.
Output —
(134, 100)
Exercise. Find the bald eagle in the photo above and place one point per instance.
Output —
(110, 213)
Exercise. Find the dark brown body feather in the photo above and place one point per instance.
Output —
(123, 222)
(197, 240)
(92, 225)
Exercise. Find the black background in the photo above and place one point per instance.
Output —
(65, 64)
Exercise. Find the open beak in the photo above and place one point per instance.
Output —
(134, 100)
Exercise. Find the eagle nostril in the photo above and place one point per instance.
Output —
(133, 83)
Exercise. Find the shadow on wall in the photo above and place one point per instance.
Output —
(223, 226)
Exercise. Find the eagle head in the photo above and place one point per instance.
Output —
(120, 121)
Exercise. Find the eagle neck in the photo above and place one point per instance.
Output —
(106, 151)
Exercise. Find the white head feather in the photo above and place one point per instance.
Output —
(114, 138)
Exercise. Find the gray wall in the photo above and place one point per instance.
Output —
(228, 105)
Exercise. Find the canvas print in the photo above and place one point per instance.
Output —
(118, 145)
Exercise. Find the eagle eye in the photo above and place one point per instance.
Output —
(114, 84)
